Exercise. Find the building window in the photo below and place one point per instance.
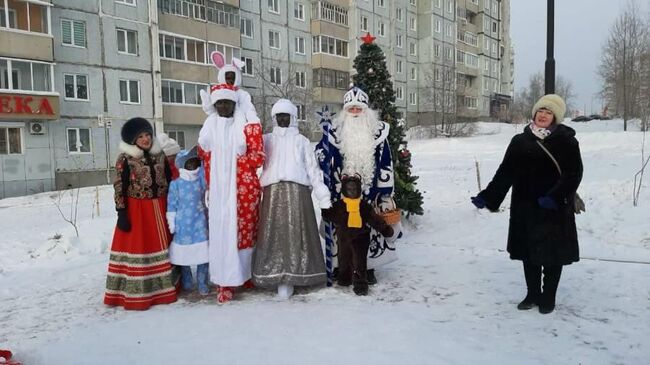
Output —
(331, 79)
(301, 112)
(436, 74)
(414, 73)
(73, 33)
(382, 29)
(470, 102)
(300, 45)
(448, 53)
(436, 50)
(173, 48)
(195, 51)
(399, 93)
(325, 11)
(412, 2)
(79, 140)
(276, 76)
(229, 52)
(180, 92)
(364, 23)
(248, 66)
(127, 41)
(330, 45)
(178, 136)
(126, 2)
(76, 87)
(206, 10)
(413, 100)
(299, 11)
(494, 27)
(398, 14)
(399, 41)
(438, 3)
(381, 3)
(25, 75)
(246, 28)
(412, 23)
(449, 30)
(437, 25)
(130, 91)
(301, 77)
(413, 49)
(450, 6)
(25, 15)
(274, 7)
(11, 141)
(398, 66)
(274, 39)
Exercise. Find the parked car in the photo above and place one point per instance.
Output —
(596, 116)
(581, 118)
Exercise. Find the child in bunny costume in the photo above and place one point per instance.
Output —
(234, 148)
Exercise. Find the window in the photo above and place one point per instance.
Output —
(495, 9)
(364, 23)
(25, 16)
(25, 75)
(413, 49)
(329, 12)
(174, 48)
(178, 136)
(414, 74)
(276, 76)
(329, 45)
(274, 7)
(11, 141)
(438, 3)
(274, 39)
(246, 28)
(412, 23)
(450, 6)
(299, 11)
(470, 102)
(381, 29)
(331, 79)
(448, 53)
(127, 41)
(300, 45)
(399, 93)
(486, 65)
(486, 4)
(398, 66)
(301, 112)
(79, 140)
(436, 74)
(76, 87)
(229, 51)
(471, 60)
(436, 50)
(399, 41)
(126, 2)
(205, 10)
(398, 14)
(180, 92)
(437, 26)
(449, 30)
(413, 100)
(300, 79)
(73, 33)
(195, 51)
(468, 38)
(381, 3)
(494, 27)
(412, 2)
(130, 91)
(248, 66)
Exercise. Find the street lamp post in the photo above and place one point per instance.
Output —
(549, 65)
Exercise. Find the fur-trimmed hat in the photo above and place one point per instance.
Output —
(169, 146)
(223, 91)
(285, 106)
(355, 97)
(183, 156)
(554, 103)
(133, 127)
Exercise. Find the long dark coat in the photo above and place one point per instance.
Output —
(537, 235)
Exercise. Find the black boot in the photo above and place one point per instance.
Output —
(551, 280)
(372, 280)
(533, 274)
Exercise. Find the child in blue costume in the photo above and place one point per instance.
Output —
(187, 220)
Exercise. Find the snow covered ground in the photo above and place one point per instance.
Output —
(449, 300)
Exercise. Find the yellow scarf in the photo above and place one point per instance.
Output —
(354, 216)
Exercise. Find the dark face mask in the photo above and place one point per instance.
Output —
(225, 108)
(192, 164)
(351, 189)
(283, 120)
(230, 78)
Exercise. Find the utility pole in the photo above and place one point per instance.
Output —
(549, 65)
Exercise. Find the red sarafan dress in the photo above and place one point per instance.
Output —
(139, 271)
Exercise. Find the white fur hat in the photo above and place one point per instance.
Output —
(554, 103)
(355, 97)
(221, 92)
(285, 106)
(168, 145)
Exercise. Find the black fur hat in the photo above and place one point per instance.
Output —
(133, 127)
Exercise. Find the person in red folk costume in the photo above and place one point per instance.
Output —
(139, 272)
(236, 151)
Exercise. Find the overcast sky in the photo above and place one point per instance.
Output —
(581, 27)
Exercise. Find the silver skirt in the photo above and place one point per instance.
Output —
(288, 249)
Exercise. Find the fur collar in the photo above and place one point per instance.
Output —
(135, 151)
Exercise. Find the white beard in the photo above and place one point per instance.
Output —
(358, 143)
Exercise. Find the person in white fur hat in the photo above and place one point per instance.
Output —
(288, 251)
(236, 150)
(170, 148)
(544, 168)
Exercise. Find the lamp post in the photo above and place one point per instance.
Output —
(549, 65)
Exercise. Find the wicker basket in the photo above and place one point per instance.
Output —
(392, 214)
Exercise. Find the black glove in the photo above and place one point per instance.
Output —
(123, 220)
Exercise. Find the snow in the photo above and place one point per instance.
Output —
(449, 300)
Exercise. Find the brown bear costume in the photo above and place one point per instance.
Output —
(353, 217)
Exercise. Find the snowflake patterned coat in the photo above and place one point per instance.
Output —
(186, 212)
(234, 150)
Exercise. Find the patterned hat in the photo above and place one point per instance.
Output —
(355, 97)
(185, 155)
(223, 91)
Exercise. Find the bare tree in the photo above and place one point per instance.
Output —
(621, 63)
(290, 83)
(527, 97)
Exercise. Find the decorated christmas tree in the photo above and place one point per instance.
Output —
(372, 76)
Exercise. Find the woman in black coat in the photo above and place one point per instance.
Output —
(542, 231)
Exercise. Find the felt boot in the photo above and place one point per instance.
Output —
(225, 294)
(285, 291)
(551, 280)
(533, 274)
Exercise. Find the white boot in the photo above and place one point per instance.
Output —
(285, 291)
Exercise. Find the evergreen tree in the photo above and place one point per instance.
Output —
(372, 76)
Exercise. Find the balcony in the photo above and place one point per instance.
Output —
(25, 29)
(224, 13)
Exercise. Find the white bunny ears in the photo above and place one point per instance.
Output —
(219, 61)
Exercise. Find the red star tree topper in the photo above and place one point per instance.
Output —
(368, 39)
